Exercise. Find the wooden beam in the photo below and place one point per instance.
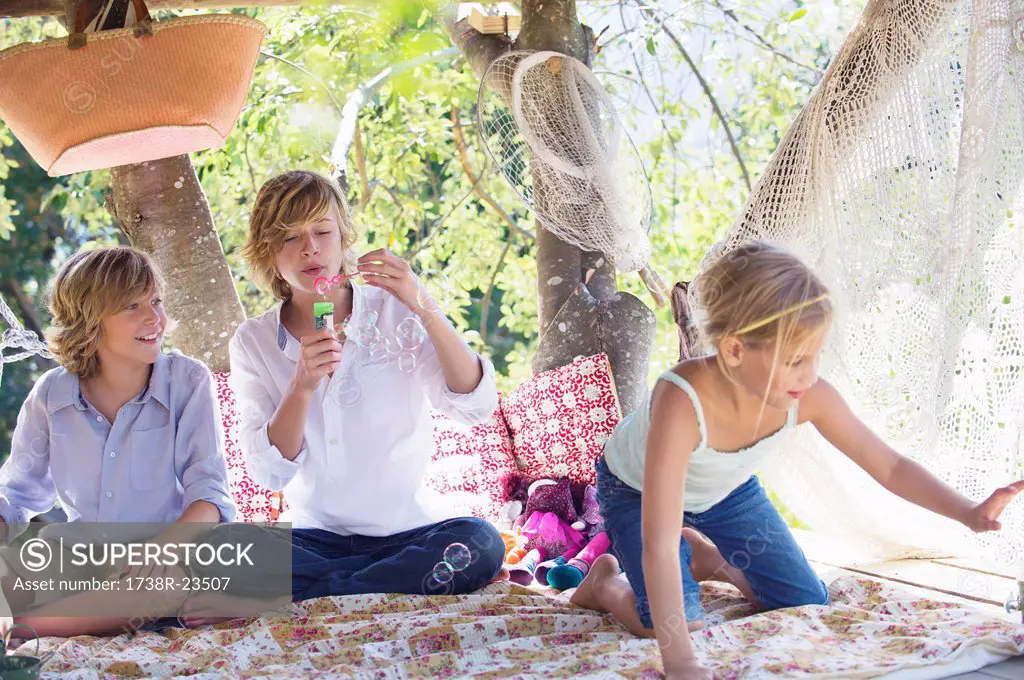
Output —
(42, 8)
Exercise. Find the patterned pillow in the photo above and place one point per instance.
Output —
(471, 465)
(560, 419)
(255, 503)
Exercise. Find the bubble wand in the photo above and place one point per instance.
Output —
(322, 284)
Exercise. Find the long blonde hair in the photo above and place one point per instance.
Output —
(763, 295)
(284, 202)
(91, 285)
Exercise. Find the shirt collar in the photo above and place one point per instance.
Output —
(159, 387)
(67, 389)
(291, 346)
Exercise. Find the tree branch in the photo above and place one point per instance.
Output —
(29, 315)
(355, 102)
(714, 102)
(478, 49)
(312, 76)
(364, 180)
(486, 304)
(731, 15)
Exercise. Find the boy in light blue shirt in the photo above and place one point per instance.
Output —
(120, 432)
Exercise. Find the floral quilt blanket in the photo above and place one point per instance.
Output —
(507, 631)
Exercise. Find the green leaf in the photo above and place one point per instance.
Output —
(797, 15)
(424, 16)
(652, 49)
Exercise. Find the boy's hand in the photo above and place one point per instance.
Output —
(985, 515)
(384, 269)
(319, 356)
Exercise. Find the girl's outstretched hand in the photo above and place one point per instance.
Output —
(985, 515)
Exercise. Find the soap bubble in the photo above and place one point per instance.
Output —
(381, 349)
(407, 362)
(410, 334)
(457, 556)
(362, 328)
(371, 337)
(443, 573)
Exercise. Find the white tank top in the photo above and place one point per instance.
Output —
(711, 476)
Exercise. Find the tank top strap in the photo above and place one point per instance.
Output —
(684, 385)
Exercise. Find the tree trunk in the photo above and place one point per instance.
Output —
(581, 310)
(162, 209)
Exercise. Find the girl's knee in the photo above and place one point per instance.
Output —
(812, 594)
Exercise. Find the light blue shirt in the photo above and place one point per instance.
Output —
(163, 451)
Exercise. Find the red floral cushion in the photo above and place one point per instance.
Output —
(471, 465)
(560, 419)
(255, 503)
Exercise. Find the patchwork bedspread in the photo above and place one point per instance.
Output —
(507, 631)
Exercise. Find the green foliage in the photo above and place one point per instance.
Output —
(421, 202)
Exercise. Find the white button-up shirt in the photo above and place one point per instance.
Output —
(163, 451)
(368, 432)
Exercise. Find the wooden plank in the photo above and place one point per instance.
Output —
(970, 585)
(978, 566)
(828, 573)
(490, 24)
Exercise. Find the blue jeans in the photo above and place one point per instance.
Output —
(746, 528)
(325, 563)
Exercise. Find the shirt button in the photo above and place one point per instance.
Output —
(99, 419)
(333, 442)
(103, 534)
(113, 454)
(110, 494)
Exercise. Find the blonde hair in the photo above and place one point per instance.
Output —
(764, 295)
(94, 284)
(283, 203)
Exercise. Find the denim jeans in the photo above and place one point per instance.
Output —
(325, 563)
(746, 528)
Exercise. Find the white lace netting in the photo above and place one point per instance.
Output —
(900, 183)
(25, 343)
(546, 121)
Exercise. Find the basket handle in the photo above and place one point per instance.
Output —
(80, 13)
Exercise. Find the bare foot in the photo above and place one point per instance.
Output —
(503, 575)
(708, 564)
(588, 594)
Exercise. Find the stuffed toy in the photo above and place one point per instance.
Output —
(571, 574)
(523, 572)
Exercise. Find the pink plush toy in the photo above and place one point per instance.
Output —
(549, 495)
(547, 530)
